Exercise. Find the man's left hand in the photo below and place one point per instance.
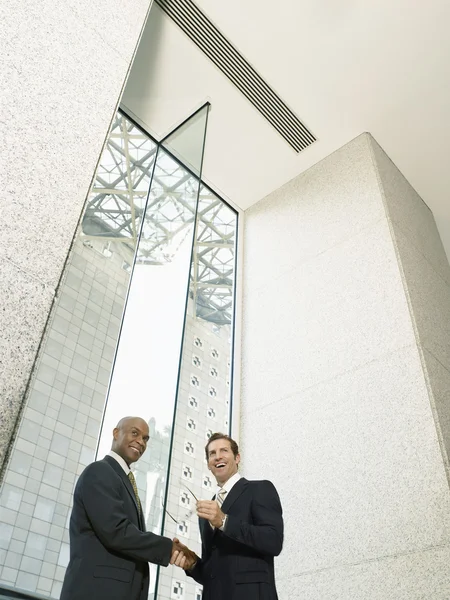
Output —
(210, 510)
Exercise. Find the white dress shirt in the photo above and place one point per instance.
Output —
(228, 485)
(120, 460)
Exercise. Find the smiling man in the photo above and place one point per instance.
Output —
(241, 530)
(109, 547)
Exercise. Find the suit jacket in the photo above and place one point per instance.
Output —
(109, 548)
(237, 563)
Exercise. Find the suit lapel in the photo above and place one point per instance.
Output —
(208, 532)
(127, 483)
(234, 494)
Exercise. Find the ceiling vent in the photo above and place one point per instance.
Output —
(224, 55)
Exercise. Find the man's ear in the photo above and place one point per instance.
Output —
(238, 458)
(115, 433)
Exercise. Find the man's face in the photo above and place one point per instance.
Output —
(221, 461)
(130, 440)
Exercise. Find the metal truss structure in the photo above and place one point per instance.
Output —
(118, 213)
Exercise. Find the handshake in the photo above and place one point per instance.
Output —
(182, 556)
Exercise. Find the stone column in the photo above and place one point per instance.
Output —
(65, 64)
(345, 379)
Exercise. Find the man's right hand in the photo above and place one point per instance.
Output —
(182, 556)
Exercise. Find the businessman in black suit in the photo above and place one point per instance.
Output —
(241, 531)
(109, 547)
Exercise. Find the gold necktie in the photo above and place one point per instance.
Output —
(133, 483)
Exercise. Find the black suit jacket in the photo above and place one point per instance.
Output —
(109, 548)
(237, 563)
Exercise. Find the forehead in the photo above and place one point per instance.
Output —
(219, 445)
(137, 424)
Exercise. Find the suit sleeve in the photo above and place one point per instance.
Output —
(265, 534)
(197, 572)
(101, 494)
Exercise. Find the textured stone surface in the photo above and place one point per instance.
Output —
(125, 21)
(426, 277)
(306, 214)
(335, 405)
(25, 306)
(63, 68)
(429, 295)
(416, 576)
(357, 464)
(343, 308)
(409, 213)
(57, 107)
(439, 380)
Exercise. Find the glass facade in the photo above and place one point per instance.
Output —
(154, 264)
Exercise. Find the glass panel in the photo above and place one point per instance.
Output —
(186, 143)
(121, 185)
(59, 429)
(145, 377)
(204, 392)
(180, 291)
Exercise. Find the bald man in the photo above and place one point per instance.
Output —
(109, 547)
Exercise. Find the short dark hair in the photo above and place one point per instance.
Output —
(222, 436)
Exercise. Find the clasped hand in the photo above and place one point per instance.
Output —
(182, 556)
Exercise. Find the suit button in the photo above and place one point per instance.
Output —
(212, 576)
(213, 546)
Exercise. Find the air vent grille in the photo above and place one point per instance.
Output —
(224, 55)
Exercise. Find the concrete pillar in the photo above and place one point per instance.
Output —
(345, 379)
(64, 67)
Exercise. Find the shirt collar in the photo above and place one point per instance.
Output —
(229, 484)
(120, 460)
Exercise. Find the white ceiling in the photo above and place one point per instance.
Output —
(343, 67)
